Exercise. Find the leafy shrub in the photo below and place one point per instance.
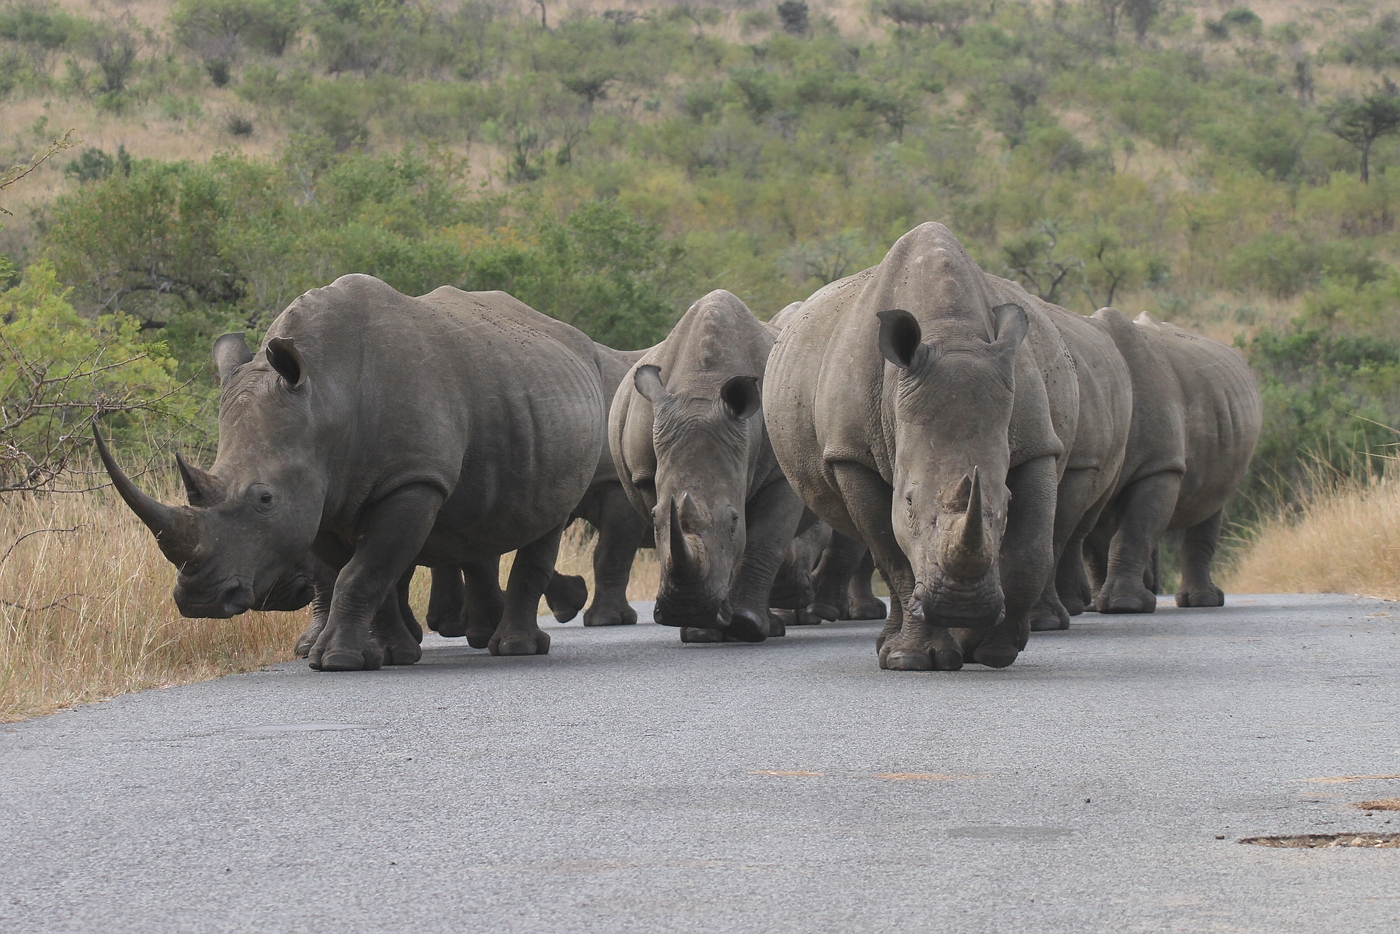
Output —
(218, 28)
(59, 369)
(239, 126)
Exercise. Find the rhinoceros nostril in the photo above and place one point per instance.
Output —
(235, 599)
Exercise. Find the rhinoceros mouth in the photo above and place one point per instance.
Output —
(228, 600)
(702, 613)
(963, 605)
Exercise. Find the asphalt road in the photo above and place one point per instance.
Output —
(628, 783)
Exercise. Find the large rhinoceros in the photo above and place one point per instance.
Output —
(693, 454)
(1197, 414)
(462, 595)
(379, 431)
(965, 431)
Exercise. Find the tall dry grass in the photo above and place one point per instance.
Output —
(1344, 539)
(86, 611)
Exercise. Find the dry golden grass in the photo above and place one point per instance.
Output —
(86, 612)
(1346, 540)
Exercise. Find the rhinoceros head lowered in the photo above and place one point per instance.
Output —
(952, 409)
(702, 455)
(242, 541)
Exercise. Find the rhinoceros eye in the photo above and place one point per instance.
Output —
(265, 498)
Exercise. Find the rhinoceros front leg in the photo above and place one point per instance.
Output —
(390, 535)
(1146, 506)
(771, 518)
(621, 530)
(908, 641)
(1197, 552)
(324, 588)
(519, 632)
(1027, 561)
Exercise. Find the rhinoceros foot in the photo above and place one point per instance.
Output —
(520, 643)
(1129, 597)
(1049, 623)
(307, 640)
(694, 634)
(872, 609)
(747, 626)
(824, 610)
(803, 617)
(597, 615)
(1212, 597)
(995, 654)
(567, 595)
(900, 652)
(348, 660)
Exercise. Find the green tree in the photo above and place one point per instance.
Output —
(1362, 122)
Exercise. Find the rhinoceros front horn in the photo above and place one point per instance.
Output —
(174, 527)
(972, 556)
(682, 559)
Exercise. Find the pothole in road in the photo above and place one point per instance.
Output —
(1317, 841)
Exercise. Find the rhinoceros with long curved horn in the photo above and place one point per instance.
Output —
(379, 431)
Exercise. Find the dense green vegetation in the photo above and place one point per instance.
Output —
(1184, 158)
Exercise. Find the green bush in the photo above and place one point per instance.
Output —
(216, 29)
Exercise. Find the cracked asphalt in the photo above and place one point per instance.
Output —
(628, 783)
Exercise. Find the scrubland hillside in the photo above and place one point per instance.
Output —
(1231, 167)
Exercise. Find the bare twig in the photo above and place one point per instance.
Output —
(15, 544)
(17, 172)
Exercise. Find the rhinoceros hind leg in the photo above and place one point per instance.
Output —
(1197, 552)
(566, 595)
(861, 602)
(519, 632)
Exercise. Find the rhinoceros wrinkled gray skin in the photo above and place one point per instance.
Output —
(1197, 414)
(965, 431)
(621, 531)
(378, 431)
(688, 437)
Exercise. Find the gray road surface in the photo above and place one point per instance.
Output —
(628, 783)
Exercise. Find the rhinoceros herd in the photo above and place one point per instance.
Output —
(1004, 463)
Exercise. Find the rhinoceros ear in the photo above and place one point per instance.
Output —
(1011, 324)
(899, 337)
(741, 395)
(230, 352)
(282, 353)
(647, 379)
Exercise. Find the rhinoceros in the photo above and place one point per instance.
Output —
(841, 582)
(379, 431)
(692, 454)
(965, 431)
(1197, 414)
(621, 531)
